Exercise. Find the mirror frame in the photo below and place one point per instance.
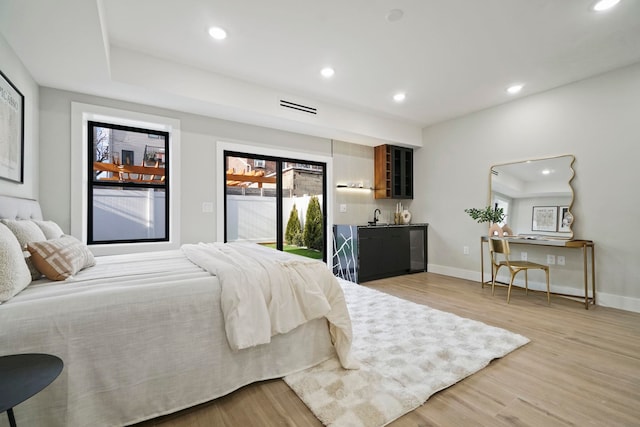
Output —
(555, 235)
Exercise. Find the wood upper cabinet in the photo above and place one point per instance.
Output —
(393, 172)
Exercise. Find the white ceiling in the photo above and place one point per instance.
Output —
(451, 57)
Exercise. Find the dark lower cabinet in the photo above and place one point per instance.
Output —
(383, 252)
(391, 251)
(368, 253)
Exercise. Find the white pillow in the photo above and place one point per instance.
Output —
(14, 274)
(26, 231)
(50, 229)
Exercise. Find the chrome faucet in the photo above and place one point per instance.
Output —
(375, 216)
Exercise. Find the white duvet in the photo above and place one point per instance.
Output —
(266, 292)
(141, 335)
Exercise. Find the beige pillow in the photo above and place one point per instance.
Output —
(26, 231)
(50, 229)
(61, 258)
(14, 274)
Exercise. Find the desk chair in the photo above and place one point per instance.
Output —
(501, 246)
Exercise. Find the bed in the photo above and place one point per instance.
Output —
(141, 336)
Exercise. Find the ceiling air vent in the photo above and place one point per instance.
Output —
(494, 172)
(299, 107)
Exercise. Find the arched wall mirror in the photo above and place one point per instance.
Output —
(536, 196)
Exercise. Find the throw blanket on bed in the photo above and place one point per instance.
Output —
(267, 292)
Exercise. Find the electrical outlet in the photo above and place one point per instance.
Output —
(560, 260)
(465, 250)
(551, 259)
(207, 207)
(343, 208)
(523, 256)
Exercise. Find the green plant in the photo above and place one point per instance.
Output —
(488, 214)
(293, 233)
(313, 225)
(297, 239)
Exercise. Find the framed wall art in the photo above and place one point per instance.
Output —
(11, 131)
(565, 218)
(545, 218)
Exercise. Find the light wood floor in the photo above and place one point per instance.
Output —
(581, 368)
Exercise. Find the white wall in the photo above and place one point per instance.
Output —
(597, 121)
(20, 77)
(354, 164)
(199, 135)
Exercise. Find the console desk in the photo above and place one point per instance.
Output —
(587, 246)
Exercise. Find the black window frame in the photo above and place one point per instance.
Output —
(279, 193)
(91, 125)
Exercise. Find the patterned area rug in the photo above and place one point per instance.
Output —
(407, 353)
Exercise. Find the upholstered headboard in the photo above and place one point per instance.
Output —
(18, 208)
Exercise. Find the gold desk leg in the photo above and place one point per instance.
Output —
(586, 285)
(482, 262)
(593, 272)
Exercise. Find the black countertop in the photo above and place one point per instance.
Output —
(417, 224)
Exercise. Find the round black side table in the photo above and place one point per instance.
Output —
(22, 376)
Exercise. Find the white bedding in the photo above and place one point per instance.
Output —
(267, 292)
(140, 335)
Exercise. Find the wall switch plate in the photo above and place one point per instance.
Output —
(343, 208)
(207, 207)
(560, 260)
(465, 250)
(523, 256)
(551, 259)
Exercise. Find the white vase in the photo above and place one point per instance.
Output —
(406, 216)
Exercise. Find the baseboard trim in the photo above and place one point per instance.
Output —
(604, 299)
(455, 272)
(618, 301)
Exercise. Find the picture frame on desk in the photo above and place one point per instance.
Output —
(565, 218)
(544, 218)
(11, 131)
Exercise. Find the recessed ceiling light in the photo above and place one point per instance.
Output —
(513, 89)
(217, 33)
(327, 72)
(546, 171)
(399, 97)
(394, 15)
(603, 5)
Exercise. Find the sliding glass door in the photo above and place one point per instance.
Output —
(276, 202)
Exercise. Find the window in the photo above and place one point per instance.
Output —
(290, 177)
(280, 206)
(117, 157)
(500, 201)
(129, 191)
